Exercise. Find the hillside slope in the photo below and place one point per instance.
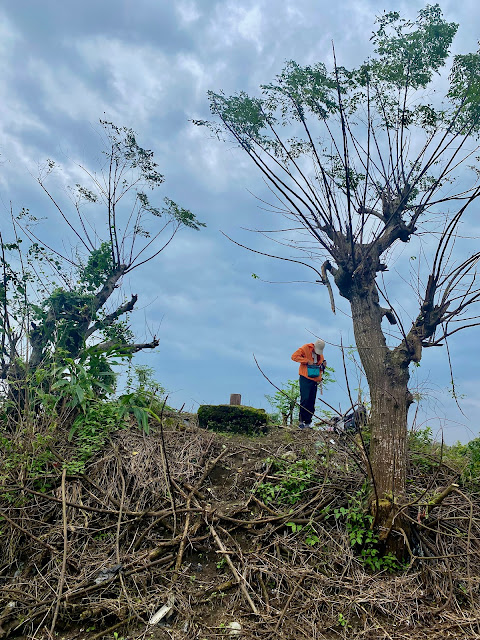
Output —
(207, 530)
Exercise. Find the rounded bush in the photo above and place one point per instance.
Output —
(232, 419)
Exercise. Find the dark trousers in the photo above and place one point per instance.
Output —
(308, 393)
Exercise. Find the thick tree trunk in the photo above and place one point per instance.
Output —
(388, 425)
(387, 376)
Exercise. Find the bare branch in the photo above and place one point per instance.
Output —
(327, 266)
(111, 317)
(126, 348)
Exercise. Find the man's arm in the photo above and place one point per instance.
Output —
(302, 356)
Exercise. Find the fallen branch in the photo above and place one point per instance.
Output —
(61, 580)
(236, 575)
(440, 497)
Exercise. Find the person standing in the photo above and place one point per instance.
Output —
(312, 366)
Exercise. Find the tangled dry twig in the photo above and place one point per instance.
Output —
(101, 548)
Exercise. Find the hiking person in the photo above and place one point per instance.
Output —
(312, 366)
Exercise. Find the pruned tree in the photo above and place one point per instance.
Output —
(363, 161)
(55, 297)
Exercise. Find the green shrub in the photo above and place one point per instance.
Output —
(91, 430)
(466, 458)
(232, 419)
(285, 401)
(362, 538)
(420, 439)
(424, 449)
(293, 479)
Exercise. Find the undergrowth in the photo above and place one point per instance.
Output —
(292, 480)
(61, 416)
(427, 453)
(289, 482)
(304, 539)
(363, 539)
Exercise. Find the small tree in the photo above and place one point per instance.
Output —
(54, 304)
(285, 401)
(363, 161)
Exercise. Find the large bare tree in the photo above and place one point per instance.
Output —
(363, 161)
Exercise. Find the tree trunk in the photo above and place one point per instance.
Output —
(387, 376)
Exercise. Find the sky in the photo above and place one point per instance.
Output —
(148, 65)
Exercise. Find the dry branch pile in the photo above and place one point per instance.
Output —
(171, 521)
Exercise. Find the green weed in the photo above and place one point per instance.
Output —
(294, 478)
(362, 538)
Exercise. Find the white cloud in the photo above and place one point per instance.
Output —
(18, 117)
(9, 35)
(138, 78)
(249, 24)
(68, 93)
(187, 11)
(232, 23)
(218, 166)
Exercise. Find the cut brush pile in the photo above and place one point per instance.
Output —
(182, 532)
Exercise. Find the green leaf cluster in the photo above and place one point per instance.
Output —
(362, 537)
(124, 146)
(99, 267)
(464, 91)
(409, 53)
(91, 430)
(293, 480)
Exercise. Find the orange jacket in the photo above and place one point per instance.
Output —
(304, 355)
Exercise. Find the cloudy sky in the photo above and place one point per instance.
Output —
(148, 65)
